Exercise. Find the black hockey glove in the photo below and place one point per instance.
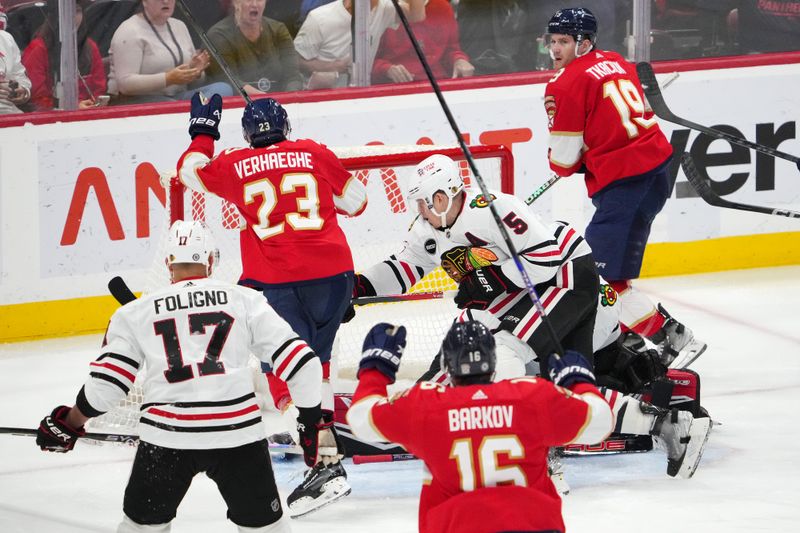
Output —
(361, 287)
(205, 116)
(54, 435)
(570, 369)
(480, 287)
(382, 350)
(318, 437)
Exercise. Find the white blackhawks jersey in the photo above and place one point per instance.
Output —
(545, 252)
(188, 346)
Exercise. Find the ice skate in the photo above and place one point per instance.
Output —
(676, 343)
(323, 484)
(555, 469)
(683, 437)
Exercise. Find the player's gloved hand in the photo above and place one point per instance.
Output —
(570, 369)
(480, 287)
(383, 348)
(318, 437)
(54, 435)
(205, 115)
(460, 261)
(363, 287)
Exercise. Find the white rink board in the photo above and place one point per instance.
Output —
(40, 165)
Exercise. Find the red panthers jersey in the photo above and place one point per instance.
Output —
(484, 446)
(598, 117)
(289, 194)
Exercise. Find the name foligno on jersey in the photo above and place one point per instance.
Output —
(190, 300)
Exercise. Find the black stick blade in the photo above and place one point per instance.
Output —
(120, 290)
(702, 185)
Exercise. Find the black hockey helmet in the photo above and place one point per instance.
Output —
(265, 122)
(468, 350)
(576, 21)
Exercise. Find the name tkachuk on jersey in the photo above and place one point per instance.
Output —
(598, 117)
(190, 343)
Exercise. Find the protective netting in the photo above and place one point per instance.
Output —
(373, 236)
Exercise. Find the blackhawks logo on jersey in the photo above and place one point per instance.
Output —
(608, 296)
(480, 200)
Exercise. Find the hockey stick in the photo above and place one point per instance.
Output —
(212, 50)
(392, 298)
(120, 290)
(656, 100)
(471, 161)
(133, 440)
(543, 189)
(703, 187)
(383, 458)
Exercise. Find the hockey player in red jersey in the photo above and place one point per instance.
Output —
(293, 250)
(199, 412)
(601, 126)
(484, 444)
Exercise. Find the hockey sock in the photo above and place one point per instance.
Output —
(637, 313)
(628, 414)
(279, 391)
(327, 388)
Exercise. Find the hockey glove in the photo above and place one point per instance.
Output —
(54, 435)
(205, 116)
(570, 369)
(480, 287)
(383, 348)
(460, 261)
(318, 437)
(363, 287)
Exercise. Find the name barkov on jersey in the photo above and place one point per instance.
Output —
(483, 417)
(190, 300)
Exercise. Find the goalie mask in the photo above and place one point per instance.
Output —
(436, 173)
(265, 122)
(468, 350)
(191, 242)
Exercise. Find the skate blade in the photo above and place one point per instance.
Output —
(561, 485)
(688, 354)
(699, 433)
(333, 490)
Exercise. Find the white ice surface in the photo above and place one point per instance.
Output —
(749, 479)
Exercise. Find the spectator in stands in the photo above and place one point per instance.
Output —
(153, 58)
(258, 50)
(15, 87)
(324, 39)
(767, 26)
(397, 62)
(42, 59)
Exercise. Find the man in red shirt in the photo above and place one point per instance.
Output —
(484, 444)
(601, 126)
(293, 250)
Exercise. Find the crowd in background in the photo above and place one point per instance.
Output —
(139, 51)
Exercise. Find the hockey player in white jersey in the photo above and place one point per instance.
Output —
(456, 227)
(188, 344)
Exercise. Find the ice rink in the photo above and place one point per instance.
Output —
(749, 479)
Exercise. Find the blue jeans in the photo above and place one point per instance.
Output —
(313, 309)
(620, 227)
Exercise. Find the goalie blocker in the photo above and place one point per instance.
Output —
(679, 389)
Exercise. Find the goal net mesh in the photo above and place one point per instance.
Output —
(373, 236)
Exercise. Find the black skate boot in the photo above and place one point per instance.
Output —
(322, 485)
(682, 436)
(676, 343)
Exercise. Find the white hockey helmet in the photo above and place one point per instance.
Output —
(435, 173)
(191, 241)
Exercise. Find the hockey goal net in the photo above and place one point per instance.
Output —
(373, 236)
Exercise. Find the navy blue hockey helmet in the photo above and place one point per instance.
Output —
(265, 122)
(576, 21)
(468, 350)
